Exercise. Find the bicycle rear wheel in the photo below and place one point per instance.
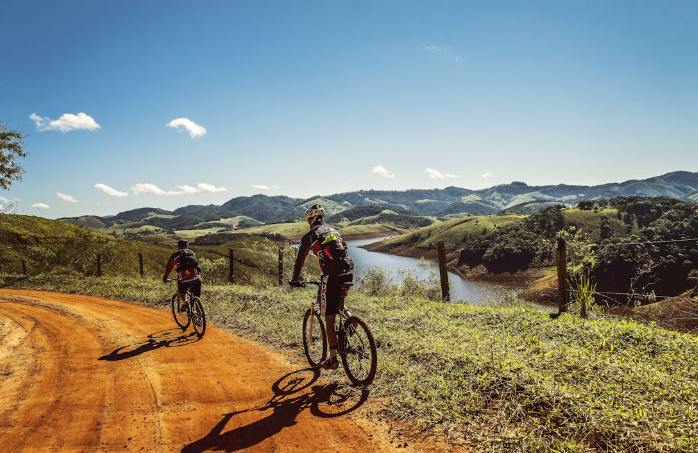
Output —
(314, 338)
(359, 354)
(198, 317)
(180, 317)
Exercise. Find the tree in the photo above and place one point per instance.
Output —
(11, 148)
(586, 205)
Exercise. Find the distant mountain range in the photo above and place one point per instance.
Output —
(450, 202)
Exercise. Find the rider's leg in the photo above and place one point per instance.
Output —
(332, 295)
(182, 292)
(331, 335)
(196, 288)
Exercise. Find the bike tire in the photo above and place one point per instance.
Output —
(359, 353)
(181, 319)
(315, 342)
(198, 317)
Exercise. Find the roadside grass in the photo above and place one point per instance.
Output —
(497, 379)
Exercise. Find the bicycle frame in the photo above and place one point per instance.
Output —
(315, 307)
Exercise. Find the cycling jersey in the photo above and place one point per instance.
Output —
(310, 242)
(184, 274)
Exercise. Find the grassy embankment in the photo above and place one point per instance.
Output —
(506, 379)
(50, 246)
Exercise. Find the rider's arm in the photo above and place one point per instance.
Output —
(300, 258)
(170, 264)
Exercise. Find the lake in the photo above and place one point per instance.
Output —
(476, 293)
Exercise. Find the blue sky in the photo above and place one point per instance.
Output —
(306, 98)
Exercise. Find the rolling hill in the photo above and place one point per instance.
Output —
(451, 202)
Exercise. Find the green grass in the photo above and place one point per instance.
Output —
(289, 230)
(507, 379)
(452, 232)
(50, 246)
(590, 221)
(193, 234)
(297, 229)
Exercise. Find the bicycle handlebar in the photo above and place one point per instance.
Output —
(303, 284)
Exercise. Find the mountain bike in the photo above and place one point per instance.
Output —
(355, 343)
(193, 313)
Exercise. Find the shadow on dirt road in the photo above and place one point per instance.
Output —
(169, 338)
(289, 400)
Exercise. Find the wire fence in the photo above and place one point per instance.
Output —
(681, 315)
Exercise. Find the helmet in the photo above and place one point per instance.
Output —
(182, 243)
(314, 213)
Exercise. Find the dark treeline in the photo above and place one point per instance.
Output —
(633, 245)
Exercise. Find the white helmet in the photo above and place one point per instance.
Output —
(314, 213)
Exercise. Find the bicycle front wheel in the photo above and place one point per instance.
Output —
(198, 318)
(179, 315)
(314, 338)
(359, 354)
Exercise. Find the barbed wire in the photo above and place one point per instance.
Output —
(613, 244)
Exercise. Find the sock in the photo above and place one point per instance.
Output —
(333, 352)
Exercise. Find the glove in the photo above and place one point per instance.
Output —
(295, 284)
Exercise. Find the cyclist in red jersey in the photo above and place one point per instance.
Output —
(188, 271)
(336, 267)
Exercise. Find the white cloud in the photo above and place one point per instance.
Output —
(384, 172)
(40, 206)
(202, 187)
(195, 131)
(264, 186)
(153, 189)
(436, 174)
(109, 191)
(66, 123)
(65, 197)
(442, 52)
(487, 175)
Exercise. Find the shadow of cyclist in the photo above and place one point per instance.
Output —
(162, 339)
(286, 404)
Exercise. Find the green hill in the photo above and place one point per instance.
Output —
(450, 202)
(52, 246)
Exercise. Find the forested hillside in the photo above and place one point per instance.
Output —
(517, 197)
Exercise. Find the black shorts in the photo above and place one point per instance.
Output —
(334, 294)
(195, 286)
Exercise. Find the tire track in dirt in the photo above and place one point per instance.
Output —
(83, 373)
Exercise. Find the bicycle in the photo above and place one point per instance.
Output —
(193, 314)
(355, 343)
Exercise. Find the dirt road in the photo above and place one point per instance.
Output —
(81, 373)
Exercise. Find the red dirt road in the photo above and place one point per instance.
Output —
(81, 373)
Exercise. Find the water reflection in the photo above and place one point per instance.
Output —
(477, 293)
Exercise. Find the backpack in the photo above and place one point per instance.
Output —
(187, 259)
(333, 252)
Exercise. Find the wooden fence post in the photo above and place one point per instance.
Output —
(231, 267)
(281, 266)
(99, 265)
(24, 268)
(445, 293)
(140, 263)
(561, 261)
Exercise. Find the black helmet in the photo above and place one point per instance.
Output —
(182, 243)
